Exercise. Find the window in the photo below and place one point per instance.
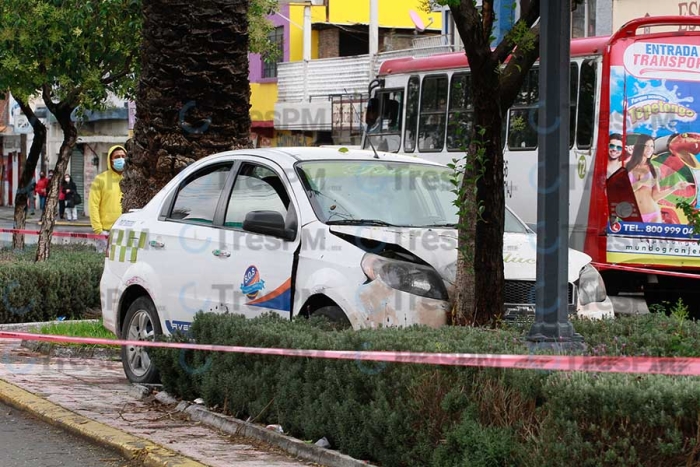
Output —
(197, 199)
(257, 188)
(583, 22)
(586, 105)
(573, 94)
(523, 116)
(385, 131)
(413, 93)
(269, 63)
(460, 120)
(433, 109)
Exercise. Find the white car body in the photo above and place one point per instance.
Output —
(185, 266)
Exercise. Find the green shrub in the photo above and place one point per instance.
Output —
(65, 285)
(410, 415)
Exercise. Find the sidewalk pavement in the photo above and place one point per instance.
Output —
(7, 213)
(92, 398)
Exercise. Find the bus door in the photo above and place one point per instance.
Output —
(383, 119)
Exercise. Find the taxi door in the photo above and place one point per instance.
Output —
(259, 264)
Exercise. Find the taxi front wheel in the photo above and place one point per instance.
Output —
(335, 315)
(141, 323)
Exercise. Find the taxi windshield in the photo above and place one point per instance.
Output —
(380, 193)
(385, 193)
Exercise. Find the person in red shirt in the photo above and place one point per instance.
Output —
(41, 189)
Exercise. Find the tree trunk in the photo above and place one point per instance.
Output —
(27, 172)
(193, 95)
(70, 137)
(488, 258)
(480, 278)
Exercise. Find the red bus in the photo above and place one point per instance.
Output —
(634, 144)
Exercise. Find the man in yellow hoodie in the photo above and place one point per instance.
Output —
(105, 199)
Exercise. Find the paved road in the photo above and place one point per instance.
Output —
(99, 391)
(28, 442)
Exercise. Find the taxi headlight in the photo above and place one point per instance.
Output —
(405, 276)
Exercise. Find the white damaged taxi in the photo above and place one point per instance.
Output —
(363, 239)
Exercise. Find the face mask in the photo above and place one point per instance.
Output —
(66, 180)
(119, 163)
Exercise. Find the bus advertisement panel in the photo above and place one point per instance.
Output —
(654, 151)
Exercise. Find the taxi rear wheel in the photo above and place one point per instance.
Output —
(141, 323)
(335, 315)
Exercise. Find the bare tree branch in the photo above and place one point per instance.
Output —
(512, 78)
(507, 45)
(36, 124)
(48, 98)
(113, 77)
(468, 23)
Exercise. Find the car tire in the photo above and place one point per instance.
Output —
(335, 315)
(141, 323)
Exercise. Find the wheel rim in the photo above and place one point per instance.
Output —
(140, 329)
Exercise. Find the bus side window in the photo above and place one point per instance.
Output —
(523, 116)
(573, 81)
(460, 120)
(413, 92)
(433, 113)
(586, 107)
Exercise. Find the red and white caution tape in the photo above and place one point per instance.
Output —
(663, 272)
(651, 365)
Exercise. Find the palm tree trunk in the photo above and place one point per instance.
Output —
(193, 98)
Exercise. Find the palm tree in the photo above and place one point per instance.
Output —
(193, 94)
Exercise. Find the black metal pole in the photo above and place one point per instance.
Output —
(551, 313)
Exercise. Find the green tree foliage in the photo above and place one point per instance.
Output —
(259, 26)
(75, 53)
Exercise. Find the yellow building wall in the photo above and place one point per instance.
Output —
(296, 33)
(392, 13)
(262, 101)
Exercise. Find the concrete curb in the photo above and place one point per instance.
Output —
(233, 426)
(131, 447)
(22, 327)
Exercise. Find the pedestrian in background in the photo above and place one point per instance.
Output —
(105, 199)
(41, 189)
(61, 201)
(69, 190)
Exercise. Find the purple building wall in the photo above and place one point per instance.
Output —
(254, 60)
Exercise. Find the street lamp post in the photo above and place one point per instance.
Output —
(551, 311)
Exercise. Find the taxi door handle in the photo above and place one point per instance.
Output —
(221, 253)
(156, 244)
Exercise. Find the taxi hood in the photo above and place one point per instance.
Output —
(438, 247)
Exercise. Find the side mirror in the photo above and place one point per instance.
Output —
(267, 223)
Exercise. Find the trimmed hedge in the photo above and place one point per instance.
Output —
(67, 284)
(421, 415)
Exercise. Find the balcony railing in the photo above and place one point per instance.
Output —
(318, 79)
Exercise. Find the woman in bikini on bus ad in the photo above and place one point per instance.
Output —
(645, 181)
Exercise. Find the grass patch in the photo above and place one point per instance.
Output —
(79, 329)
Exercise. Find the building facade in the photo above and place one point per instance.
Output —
(321, 85)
